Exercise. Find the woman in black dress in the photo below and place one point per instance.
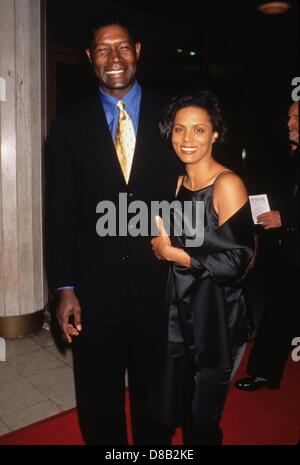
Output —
(208, 314)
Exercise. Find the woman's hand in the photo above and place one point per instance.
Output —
(163, 250)
(161, 244)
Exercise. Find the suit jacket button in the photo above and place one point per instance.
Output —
(125, 257)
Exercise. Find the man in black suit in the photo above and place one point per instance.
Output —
(111, 290)
(280, 322)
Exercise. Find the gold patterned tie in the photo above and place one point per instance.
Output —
(125, 140)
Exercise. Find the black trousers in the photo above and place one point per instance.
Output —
(204, 396)
(101, 355)
(279, 324)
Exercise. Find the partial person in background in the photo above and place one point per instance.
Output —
(279, 239)
(209, 318)
(111, 289)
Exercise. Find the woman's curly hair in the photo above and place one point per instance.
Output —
(205, 100)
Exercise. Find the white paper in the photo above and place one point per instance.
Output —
(259, 204)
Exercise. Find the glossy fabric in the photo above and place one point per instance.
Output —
(207, 305)
(208, 314)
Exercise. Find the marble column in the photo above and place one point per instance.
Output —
(22, 278)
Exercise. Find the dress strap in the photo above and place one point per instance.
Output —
(180, 185)
(220, 174)
(213, 184)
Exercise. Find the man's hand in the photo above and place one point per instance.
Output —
(270, 220)
(68, 305)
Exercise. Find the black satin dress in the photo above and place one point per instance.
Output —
(208, 312)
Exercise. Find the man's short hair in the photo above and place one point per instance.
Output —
(108, 19)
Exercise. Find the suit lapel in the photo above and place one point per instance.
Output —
(140, 163)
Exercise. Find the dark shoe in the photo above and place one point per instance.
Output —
(251, 383)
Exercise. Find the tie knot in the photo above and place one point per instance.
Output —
(123, 113)
(121, 105)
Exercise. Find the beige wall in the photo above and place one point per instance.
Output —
(22, 283)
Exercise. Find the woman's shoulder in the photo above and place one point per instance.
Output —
(227, 179)
(229, 195)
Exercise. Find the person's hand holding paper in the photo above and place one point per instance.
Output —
(269, 220)
(262, 214)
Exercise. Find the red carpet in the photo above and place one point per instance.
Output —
(262, 417)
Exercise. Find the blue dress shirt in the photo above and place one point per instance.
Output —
(132, 102)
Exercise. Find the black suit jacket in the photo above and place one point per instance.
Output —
(84, 170)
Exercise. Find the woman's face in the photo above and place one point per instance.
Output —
(193, 135)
